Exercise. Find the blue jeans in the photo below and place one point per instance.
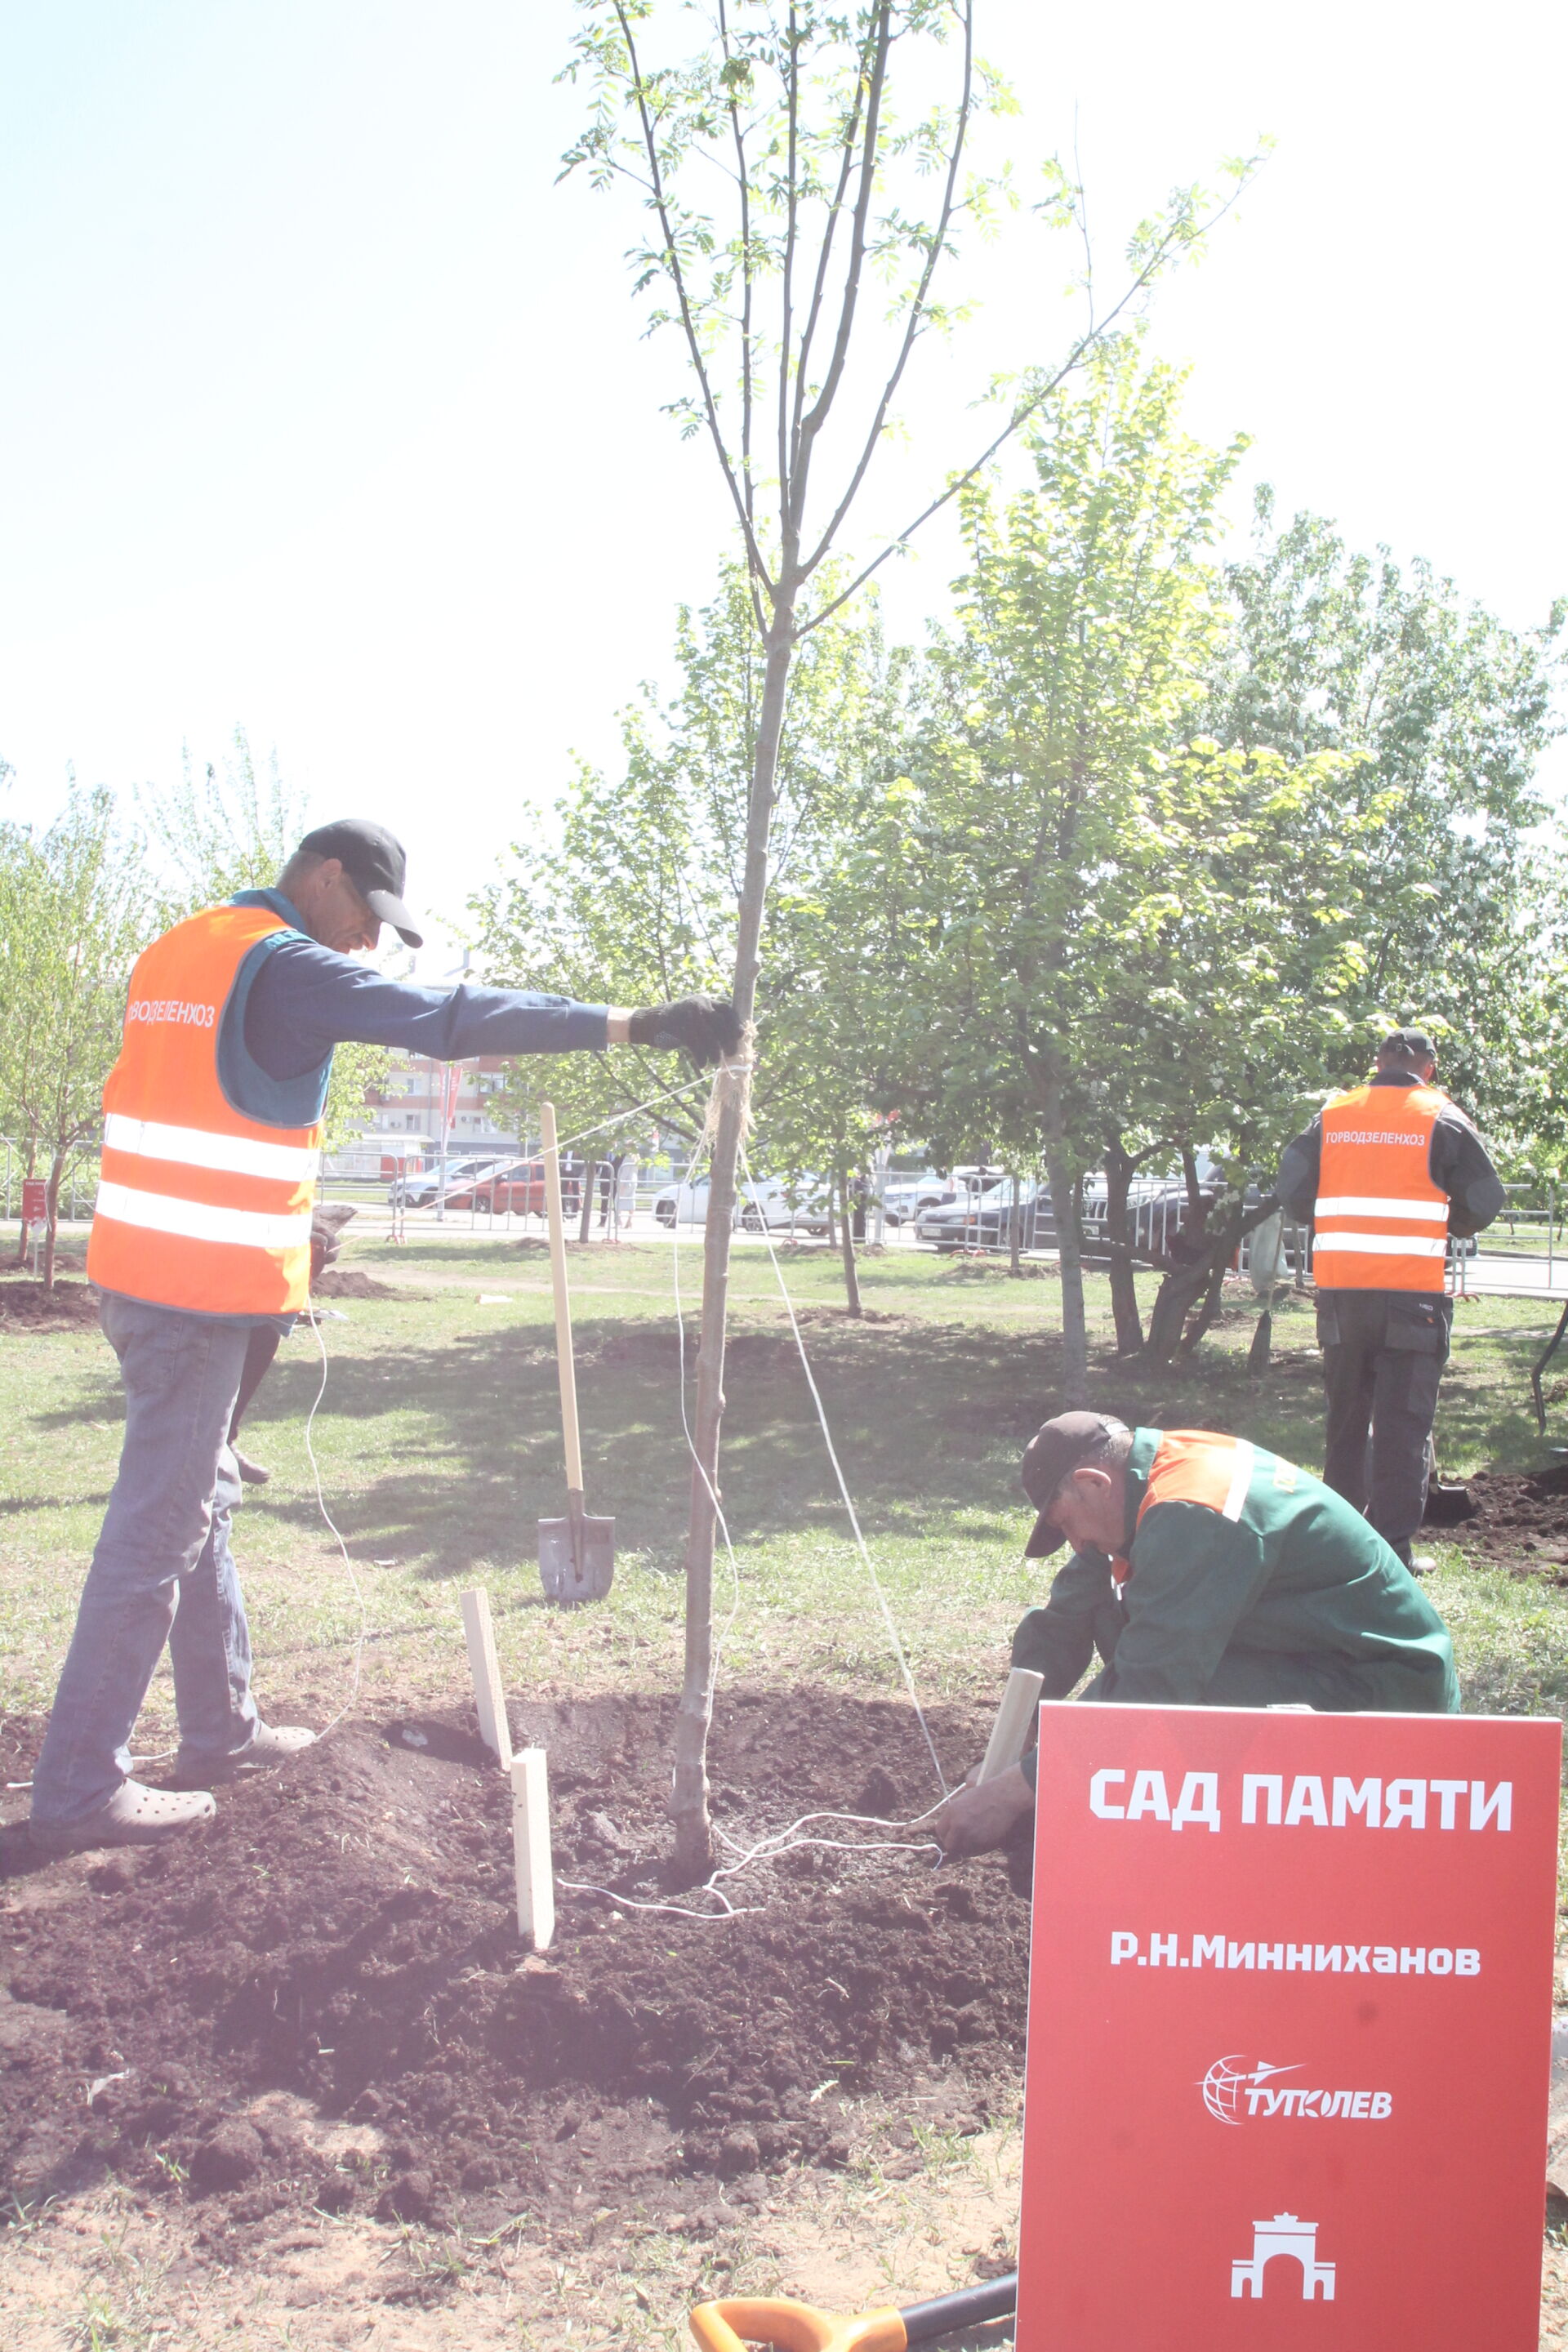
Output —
(161, 1570)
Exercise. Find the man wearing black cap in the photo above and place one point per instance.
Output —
(1387, 1173)
(1205, 1572)
(201, 1237)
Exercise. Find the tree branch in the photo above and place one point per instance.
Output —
(743, 183)
(918, 304)
(847, 165)
(678, 278)
(786, 536)
(816, 416)
(1177, 233)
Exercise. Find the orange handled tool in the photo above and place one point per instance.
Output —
(730, 2325)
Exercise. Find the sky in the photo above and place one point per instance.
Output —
(325, 410)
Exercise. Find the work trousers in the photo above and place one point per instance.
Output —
(161, 1570)
(1383, 1352)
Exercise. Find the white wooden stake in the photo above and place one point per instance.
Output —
(489, 1696)
(531, 1847)
(1010, 1732)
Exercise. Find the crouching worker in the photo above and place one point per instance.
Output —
(1205, 1572)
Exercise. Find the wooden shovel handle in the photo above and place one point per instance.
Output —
(564, 1363)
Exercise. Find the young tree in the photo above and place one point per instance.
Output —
(637, 898)
(1088, 621)
(73, 911)
(1449, 713)
(788, 106)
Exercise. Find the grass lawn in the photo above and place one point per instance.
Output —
(439, 1449)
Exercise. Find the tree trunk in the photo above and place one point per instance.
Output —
(1063, 1181)
(1199, 1323)
(29, 1166)
(846, 1244)
(52, 1217)
(1015, 1233)
(585, 1220)
(1119, 1168)
(688, 1796)
(1201, 1277)
(1262, 1341)
(1190, 1178)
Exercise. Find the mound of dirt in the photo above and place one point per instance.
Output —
(27, 1305)
(322, 1999)
(349, 1282)
(1521, 1517)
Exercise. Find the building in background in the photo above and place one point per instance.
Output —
(404, 1130)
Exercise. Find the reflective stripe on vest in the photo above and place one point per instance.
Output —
(199, 1206)
(1382, 1223)
(1196, 1465)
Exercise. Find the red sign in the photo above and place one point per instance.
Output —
(1290, 2032)
(34, 1199)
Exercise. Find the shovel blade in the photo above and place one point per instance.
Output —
(586, 1573)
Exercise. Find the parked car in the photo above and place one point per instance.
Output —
(800, 1208)
(517, 1185)
(421, 1192)
(982, 1221)
(904, 1197)
(769, 1202)
(684, 1204)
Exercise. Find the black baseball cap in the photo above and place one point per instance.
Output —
(1410, 1045)
(1050, 1454)
(375, 862)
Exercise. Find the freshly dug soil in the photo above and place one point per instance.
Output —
(344, 1934)
(1520, 1517)
(27, 1305)
(349, 1281)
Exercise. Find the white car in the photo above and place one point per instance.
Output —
(768, 1203)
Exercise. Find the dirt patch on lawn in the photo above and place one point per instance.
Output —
(27, 1305)
(1521, 1517)
(321, 1999)
(349, 1282)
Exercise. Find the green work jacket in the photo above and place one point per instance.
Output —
(1294, 1600)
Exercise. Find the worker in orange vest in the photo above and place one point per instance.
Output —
(1204, 1571)
(201, 1235)
(1387, 1173)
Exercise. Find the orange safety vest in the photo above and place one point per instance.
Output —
(1195, 1465)
(199, 1206)
(1382, 1223)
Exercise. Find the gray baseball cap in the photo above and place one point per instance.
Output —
(375, 862)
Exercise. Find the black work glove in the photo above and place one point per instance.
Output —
(703, 1026)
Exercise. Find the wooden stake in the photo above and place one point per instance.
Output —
(1014, 1717)
(489, 1696)
(531, 1847)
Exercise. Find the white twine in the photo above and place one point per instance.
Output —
(670, 1094)
(775, 1843)
(322, 1504)
(861, 1545)
(771, 1847)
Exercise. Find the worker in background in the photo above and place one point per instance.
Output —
(201, 1235)
(1205, 1572)
(1387, 1173)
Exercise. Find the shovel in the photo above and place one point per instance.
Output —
(729, 2326)
(577, 1554)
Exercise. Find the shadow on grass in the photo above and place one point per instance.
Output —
(459, 1434)
(929, 1419)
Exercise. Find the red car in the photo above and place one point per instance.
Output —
(516, 1184)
